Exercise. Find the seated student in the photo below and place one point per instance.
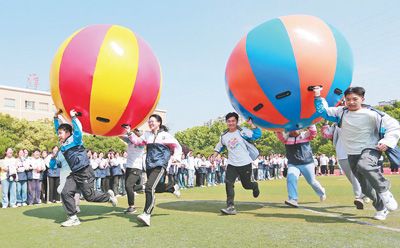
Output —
(366, 133)
(300, 160)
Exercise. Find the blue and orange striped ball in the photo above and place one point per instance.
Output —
(108, 74)
(270, 72)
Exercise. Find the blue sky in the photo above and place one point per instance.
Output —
(193, 40)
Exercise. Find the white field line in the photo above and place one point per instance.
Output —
(364, 223)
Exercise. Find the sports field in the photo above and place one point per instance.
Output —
(194, 220)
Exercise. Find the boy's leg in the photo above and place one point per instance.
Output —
(231, 175)
(291, 182)
(85, 182)
(307, 171)
(68, 194)
(366, 186)
(153, 178)
(344, 164)
(245, 176)
(132, 176)
(56, 184)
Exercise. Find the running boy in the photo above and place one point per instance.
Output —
(82, 175)
(241, 154)
(366, 133)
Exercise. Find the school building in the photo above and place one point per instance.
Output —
(36, 105)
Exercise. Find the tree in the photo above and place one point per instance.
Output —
(19, 134)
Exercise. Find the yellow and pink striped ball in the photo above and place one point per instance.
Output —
(109, 75)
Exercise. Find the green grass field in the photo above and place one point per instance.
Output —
(194, 221)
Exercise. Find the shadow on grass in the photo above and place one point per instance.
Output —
(88, 213)
(307, 218)
(58, 214)
(207, 206)
(330, 210)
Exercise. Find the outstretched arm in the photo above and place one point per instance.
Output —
(77, 127)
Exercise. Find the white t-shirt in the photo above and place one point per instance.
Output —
(238, 155)
(190, 163)
(323, 160)
(359, 131)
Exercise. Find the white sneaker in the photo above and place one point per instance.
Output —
(19, 204)
(177, 192)
(366, 200)
(72, 221)
(323, 197)
(388, 200)
(144, 219)
(292, 203)
(113, 198)
(381, 215)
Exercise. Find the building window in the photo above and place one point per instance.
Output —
(43, 106)
(9, 102)
(30, 105)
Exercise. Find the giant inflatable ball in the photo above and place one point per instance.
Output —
(109, 75)
(272, 70)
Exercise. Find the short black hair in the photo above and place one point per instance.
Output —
(360, 91)
(66, 127)
(36, 150)
(232, 114)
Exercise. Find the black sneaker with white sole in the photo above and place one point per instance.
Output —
(359, 203)
(130, 210)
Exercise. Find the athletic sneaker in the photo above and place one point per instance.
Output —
(72, 221)
(292, 203)
(177, 192)
(366, 200)
(359, 203)
(144, 219)
(24, 204)
(130, 210)
(19, 204)
(388, 200)
(381, 215)
(229, 210)
(323, 197)
(113, 199)
(256, 191)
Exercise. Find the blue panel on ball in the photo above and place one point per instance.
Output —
(273, 63)
(344, 68)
